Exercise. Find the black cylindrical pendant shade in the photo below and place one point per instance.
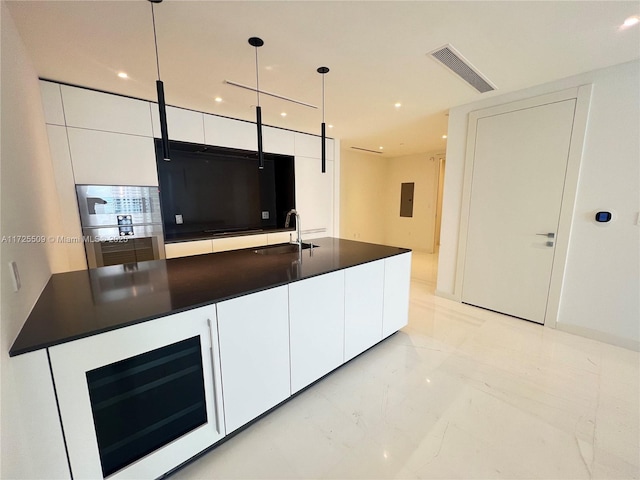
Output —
(324, 148)
(162, 108)
(259, 124)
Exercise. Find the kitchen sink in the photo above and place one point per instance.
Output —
(283, 248)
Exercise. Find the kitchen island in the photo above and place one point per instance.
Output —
(265, 326)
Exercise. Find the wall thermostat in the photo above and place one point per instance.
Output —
(603, 217)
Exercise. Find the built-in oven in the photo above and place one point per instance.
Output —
(120, 224)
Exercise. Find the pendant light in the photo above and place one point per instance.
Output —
(257, 42)
(323, 136)
(160, 89)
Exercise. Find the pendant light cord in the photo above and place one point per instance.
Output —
(155, 39)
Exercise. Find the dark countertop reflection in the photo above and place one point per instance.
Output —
(79, 304)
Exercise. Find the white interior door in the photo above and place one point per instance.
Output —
(519, 171)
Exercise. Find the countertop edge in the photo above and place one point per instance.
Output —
(43, 345)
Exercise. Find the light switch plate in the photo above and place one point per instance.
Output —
(15, 276)
(265, 215)
(179, 220)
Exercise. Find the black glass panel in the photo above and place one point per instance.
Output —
(144, 402)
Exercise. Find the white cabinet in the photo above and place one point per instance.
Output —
(186, 249)
(314, 197)
(397, 278)
(73, 363)
(364, 289)
(102, 111)
(41, 454)
(52, 103)
(278, 140)
(65, 189)
(182, 124)
(105, 158)
(226, 132)
(311, 146)
(254, 354)
(316, 326)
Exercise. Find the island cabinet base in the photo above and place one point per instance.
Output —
(143, 400)
(254, 354)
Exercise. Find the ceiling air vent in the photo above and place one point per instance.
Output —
(454, 60)
(366, 150)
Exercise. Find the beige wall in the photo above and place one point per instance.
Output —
(28, 206)
(362, 196)
(370, 199)
(415, 232)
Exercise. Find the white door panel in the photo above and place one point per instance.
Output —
(518, 178)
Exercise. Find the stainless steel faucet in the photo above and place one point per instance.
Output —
(286, 224)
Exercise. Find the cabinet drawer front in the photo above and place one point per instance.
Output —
(397, 278)
(364, 287)
(254, 354)
(316, 318)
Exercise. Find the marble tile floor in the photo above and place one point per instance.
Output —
(460, 393)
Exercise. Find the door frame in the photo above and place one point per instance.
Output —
(582, 95)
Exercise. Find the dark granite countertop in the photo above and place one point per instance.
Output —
(79, 304)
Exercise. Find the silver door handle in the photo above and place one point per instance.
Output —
(548, 235)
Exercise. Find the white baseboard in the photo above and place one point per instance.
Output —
(600, 336)
(447, 295)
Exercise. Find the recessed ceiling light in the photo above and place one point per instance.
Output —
(218, 99)
(398, 105)
(631, 21)
(381, 148)
(444, 136)
(123, 75)
(330, 126)
(283, 114)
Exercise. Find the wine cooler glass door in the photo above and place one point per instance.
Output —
(138, 401)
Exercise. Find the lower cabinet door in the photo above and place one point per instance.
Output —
(254, 354)
(316, 325)
(364, 289)
(139, 401)
(397, 279)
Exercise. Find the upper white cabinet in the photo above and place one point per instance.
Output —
(227, 132)
(182, 124)
(277, 140)
(254, 354)
(314, 197)
(63, 174)
(105, 158)
(397, 278)
(311, 146)
(364, 289)
(316, 325)
(102, 111)
(52, 103)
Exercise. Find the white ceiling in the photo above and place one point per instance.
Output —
(376, 52)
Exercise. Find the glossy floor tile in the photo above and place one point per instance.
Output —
(459, 393)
